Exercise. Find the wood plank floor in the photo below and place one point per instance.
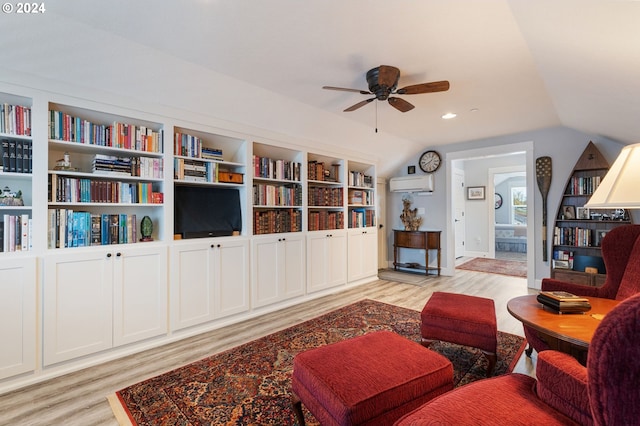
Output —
(80, 398)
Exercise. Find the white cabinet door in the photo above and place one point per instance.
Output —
(77, 304)
(293, 249)
(264, 270)
(17, 316)
(326, 260)
(208, 280)
(363, 256)
(231, 276)
(192, 294)
(370, 250)
(278, 269)
(140, 293)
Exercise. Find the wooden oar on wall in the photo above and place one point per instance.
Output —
(543, 176)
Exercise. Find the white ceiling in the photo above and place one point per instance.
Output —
(522, 64)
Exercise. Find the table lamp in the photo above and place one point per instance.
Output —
(620, 188)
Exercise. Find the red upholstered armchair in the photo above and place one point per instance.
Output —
(605, 392)
(621, 255)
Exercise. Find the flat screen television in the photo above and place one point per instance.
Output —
(201, 211)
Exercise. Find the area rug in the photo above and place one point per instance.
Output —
(512, 268)
(249, 384)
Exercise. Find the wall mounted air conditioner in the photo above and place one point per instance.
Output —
(423, 183)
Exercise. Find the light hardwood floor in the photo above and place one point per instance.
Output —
(80, 398)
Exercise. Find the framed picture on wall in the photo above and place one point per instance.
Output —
(475, 193)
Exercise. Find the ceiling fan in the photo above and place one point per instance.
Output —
(383, 82)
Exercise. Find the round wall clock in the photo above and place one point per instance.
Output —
(429, 161)
(497, 198)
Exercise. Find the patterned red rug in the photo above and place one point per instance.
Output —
(513, 268)
(249, 384)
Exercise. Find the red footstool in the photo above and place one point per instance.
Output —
(372, 379)
(464, 320)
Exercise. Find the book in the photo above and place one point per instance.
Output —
(563, 296)
(563, 302)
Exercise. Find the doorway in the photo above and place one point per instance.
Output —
(483, 216)
(509, 234)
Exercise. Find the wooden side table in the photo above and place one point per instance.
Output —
(417, 240)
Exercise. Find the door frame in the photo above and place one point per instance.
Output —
(526, 147)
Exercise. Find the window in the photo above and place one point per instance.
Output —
(519, 205)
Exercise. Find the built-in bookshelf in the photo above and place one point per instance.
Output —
(105, 174)
(15, 173)
(277, 189)
(211, 158)
(209, 183)
(325, 192)
(578, 231)
(360, 195)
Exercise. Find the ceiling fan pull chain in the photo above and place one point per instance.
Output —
(376, 117)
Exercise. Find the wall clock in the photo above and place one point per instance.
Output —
(429, 161)
(497, 198)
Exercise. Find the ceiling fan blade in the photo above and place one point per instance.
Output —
(400, 104)
(359, 104)
(416, 89)
(343, 89)
(388, 76)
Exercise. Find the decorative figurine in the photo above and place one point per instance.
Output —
(409, 216)
(146, 229)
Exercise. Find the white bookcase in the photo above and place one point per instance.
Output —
(108, 294)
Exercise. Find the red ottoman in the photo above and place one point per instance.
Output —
(464, 320)
(372, 379)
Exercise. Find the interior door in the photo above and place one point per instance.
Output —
(383, 260)
(458, 212)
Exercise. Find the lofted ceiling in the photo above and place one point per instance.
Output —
(513, 65)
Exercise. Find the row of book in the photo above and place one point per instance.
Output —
(322, 220)
(577, 237)
(194, 170)
(329, 197)
(317, 170)
(360, 197)
(144, 167)
(192, 146)
(562, 259)
(277, 221)
(563, 302)
(361, 218)
(264, 167)
(68, 228)
(360, 179)
(277, 195)
(64, 189)
(17, 156)
(583, 185)
(15, 233)
(15, 119)
(65, 127)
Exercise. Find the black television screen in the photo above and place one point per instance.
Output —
(206, 212)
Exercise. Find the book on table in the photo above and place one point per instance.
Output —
(564, 302)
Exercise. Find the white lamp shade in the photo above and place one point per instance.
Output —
(620, 188)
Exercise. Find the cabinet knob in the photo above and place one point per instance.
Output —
(108, 255)
(118, 254)
(212, 246)
(218, 246)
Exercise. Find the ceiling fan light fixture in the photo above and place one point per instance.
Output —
(449, 116)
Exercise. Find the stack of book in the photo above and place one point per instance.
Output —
(563, 302)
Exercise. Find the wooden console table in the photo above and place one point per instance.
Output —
(418, 240)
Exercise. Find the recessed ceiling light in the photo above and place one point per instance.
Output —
(449, 115)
